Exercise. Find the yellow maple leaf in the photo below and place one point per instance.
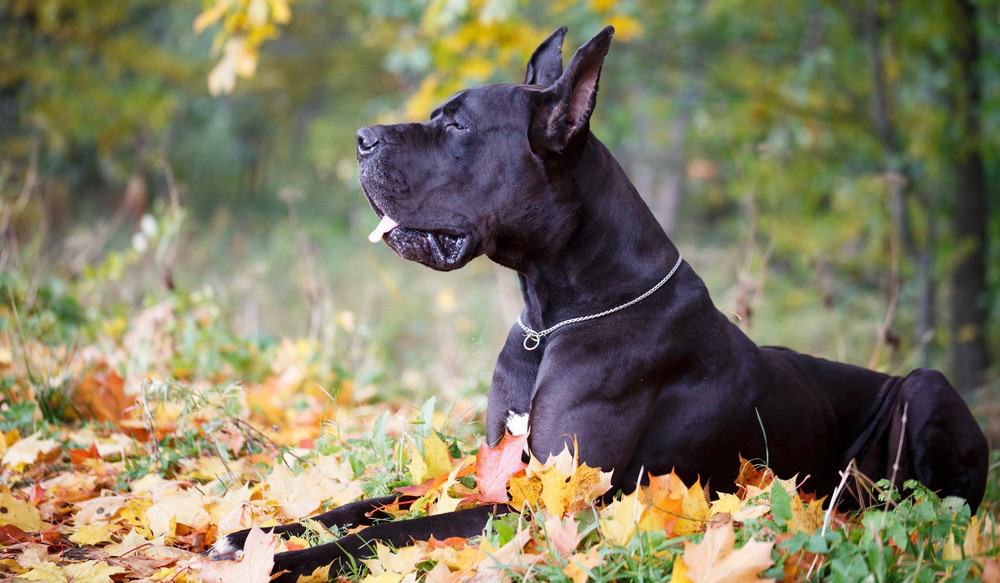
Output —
(445, 502)
(664, 496)
(585, 485)
(436, 456)
(694, 511)
(726, 503)
(716, 560)
(17, 513)
(319, 575)
(620, 519)
(93, 533)
(525, 491)
(680, 572)
(399, 561)
(134, 514)
(806, 517)
(45, 571)
(555, 490)
(185, 507)
(580, 564)
(92, 572)
(417, 465)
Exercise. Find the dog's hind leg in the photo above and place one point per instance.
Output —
(360, 513)
(361, 545)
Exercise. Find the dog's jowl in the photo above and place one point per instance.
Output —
(619, 344)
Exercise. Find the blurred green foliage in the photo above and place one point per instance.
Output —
(806, 155)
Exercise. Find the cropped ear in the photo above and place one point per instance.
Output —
(545, 64)
(565, 107)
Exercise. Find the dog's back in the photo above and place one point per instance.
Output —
(903, 427)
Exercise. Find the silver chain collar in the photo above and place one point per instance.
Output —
(533, 339)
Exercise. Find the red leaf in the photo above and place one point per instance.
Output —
(496, 465)
(77, 456)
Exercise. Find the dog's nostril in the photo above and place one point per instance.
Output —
(367, 140)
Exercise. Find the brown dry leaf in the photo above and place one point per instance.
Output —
(715, 560)
(749, 475)
(101, 394)
(254, 567)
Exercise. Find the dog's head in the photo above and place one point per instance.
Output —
(487, 173)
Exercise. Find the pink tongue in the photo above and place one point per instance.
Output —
(383, 227)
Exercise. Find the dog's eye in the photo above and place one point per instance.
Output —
(454, 125)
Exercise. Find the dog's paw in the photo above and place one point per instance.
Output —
(229, 547)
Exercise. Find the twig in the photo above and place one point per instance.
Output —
(257, 432)
(828, 515)
(899, 451)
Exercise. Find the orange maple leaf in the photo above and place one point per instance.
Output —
(496, 465)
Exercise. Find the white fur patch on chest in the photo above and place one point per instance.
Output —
(517, 423)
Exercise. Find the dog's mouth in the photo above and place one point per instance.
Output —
(439, 249)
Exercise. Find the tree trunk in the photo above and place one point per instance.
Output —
(969, 291)
(900, 182)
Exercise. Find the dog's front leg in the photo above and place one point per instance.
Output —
(360, 513)
(347, 551)
(510, 392)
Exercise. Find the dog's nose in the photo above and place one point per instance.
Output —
(367, 141)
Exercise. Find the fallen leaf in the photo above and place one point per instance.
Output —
(14, 512)
(525, 491)
(319, 575)
(92, 572)
(29, 450)
(101, 394)
(715, 559)
(580, 564)
(185, 507)
(694, 511)
(436, 455)
(620, 519)
(254, 567)
(555, 490)
(417, 465)
(563, 534)
(496, 465)
(100, 508)
(93, 533)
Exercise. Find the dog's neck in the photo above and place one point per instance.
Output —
(616, 251)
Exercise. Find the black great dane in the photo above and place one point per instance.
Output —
(619, 344)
